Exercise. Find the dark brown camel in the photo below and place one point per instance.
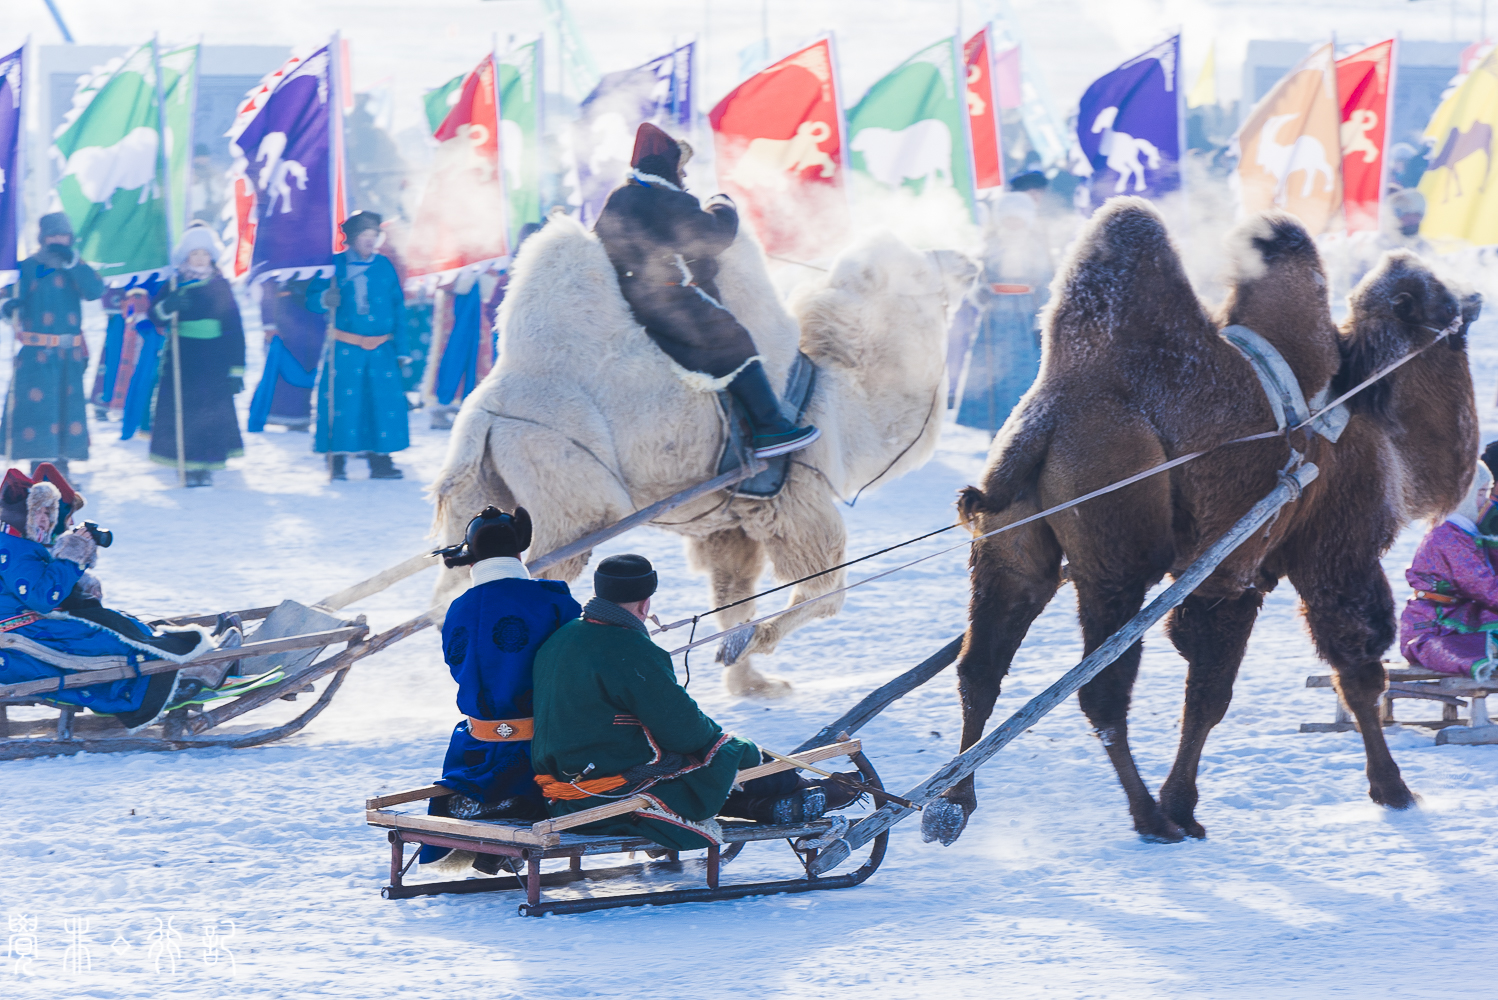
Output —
(1134, 373)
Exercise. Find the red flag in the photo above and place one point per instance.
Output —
(462, 216)
(244, 226)
(779, 139)
(983, 113)
(1363, 89)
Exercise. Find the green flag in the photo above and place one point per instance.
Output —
(440, 101)
(112, 162)
(910, 129)
(520, 135)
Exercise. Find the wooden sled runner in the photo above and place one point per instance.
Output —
(531, 844)
(1447, 690)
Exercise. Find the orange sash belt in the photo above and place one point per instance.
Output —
(572, 791)
(368, 343)
(502, 730)
(47, 339)
(1426, 595)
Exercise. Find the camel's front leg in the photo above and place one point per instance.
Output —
(810, 542)
(734, 563)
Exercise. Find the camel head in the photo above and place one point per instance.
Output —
(1427, 406)
(876, 326)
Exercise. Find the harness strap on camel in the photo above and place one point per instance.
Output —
(1282, 388)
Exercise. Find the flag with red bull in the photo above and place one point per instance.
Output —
(983, 112)
(779, 140)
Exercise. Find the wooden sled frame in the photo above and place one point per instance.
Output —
(548, 839)
(1422, 685)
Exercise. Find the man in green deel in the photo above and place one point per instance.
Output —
(611, 722)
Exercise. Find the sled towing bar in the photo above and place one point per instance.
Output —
(1289, 489)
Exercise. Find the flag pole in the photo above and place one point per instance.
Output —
(335, 130)
(21, 154)
(163, 168)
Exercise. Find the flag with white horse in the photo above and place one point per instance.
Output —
(911, 129)
(1129, 126)
(1290, 146)
(11, 107)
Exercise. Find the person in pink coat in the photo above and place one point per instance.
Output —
(1448, 626)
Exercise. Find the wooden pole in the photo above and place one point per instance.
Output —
(177, 392)
(971, 759)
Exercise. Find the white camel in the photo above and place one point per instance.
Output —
(583, 420)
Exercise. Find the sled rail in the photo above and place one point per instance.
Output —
(118, 667)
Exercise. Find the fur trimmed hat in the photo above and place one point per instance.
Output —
(38, 508)
(197, 237)
(656, 153)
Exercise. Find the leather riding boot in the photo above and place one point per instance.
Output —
(773, 433)
(338, 467)
(381, 467)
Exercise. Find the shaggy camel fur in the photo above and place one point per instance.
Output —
(1133, 374)
(584, 420)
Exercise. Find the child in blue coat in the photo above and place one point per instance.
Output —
(489, 640)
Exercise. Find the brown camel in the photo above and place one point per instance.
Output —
(1134, 373)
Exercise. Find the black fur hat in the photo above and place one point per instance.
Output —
(493, 534)
(624, 579)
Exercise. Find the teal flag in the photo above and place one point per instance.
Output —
(910, 129)
(520, 134)
(117, 176)
(439, 101)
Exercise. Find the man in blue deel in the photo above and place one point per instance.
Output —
(489, 639)
(361, 404)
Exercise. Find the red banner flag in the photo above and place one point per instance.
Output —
(983, 112)
(1363, 88)
(779, 139)
(462, 216)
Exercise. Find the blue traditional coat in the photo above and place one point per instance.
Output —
(32, 581)
(369, 413)
(489, 639)
(45, 409)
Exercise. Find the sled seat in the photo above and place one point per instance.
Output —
(1415, 684)
(530, 844)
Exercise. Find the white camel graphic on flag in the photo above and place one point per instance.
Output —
(1305, 154)
(1123, 151)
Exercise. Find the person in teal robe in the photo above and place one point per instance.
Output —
(45, 415)
(361, 402)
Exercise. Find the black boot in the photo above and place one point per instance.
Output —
(338, 467)
(381, 467)
(199, 477)
(801, 806)
(773, 433)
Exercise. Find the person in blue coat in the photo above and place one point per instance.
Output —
(361, 403)
(489, 639)
(48, 596)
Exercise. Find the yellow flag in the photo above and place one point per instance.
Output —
(1460, 203)
(1290, 151)
(1205, 91)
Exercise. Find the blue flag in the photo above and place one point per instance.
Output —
(603, 137)
(1129, 126)
(286, 155)
(10, 162)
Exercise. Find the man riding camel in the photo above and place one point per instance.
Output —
(664, 246)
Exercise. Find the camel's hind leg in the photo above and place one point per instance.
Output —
(1015, 575)
(734, 563)
(1211, 633)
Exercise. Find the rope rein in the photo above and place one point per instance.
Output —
(1441, 335)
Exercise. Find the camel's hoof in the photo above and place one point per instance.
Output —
(734, 645)
(943, 820)
(1398, 796)
(1156, 829)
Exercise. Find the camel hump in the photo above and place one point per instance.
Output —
(1123, 287)
(1267, 239)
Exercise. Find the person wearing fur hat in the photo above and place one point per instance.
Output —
(48, 596)
(1449, 625)
(611, 721)
(361, 403)
(210, 336)
(45, 410)
(664, 246)
(489, 640)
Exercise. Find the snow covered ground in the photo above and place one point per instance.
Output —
(1304, 887)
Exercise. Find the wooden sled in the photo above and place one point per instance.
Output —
(668, 879)
(1448, 690)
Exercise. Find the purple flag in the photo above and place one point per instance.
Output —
(604, 135)
(10, 163)
(285, 153)
(1129, 126)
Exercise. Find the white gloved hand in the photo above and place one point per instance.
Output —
(76, 546)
